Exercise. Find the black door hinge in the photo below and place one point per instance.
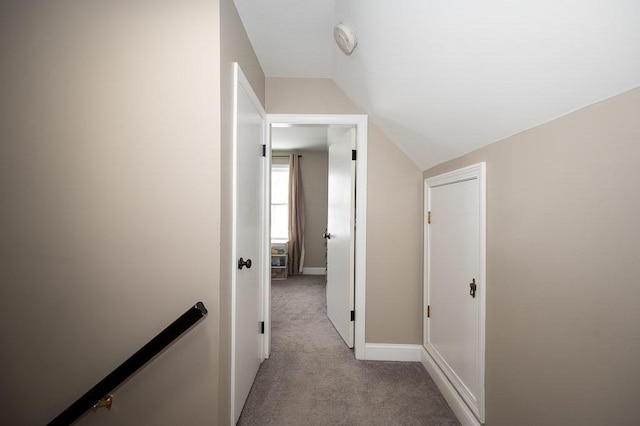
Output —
(264, 150)
(354, 156)
(261, 327)
(353, 315)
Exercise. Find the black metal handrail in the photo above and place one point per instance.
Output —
(131, 365)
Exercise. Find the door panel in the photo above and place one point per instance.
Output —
(453, 327)
(454, 330)
(340, 226)
(247, 287)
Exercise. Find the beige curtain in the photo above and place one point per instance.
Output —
(296, 217)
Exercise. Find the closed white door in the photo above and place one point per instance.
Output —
(455, 286)
(249, 169)
(340, 237)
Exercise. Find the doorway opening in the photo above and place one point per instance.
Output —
(298, 124)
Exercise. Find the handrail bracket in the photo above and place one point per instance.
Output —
(105, 402)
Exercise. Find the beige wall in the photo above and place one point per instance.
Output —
(394, 229)
(109, 180)
(394, 244)
(563, 322)
(314, 177)
(235, 47)
(306, 95)
(314, 166)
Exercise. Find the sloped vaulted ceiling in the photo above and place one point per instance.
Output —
(443, 78)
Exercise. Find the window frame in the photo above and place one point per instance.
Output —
(280, 168)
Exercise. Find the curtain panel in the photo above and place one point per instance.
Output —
(296, 217)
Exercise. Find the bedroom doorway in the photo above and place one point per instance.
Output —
(354, 315)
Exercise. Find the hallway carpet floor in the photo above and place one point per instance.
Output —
(313, 378)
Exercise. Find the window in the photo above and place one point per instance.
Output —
(280, 201)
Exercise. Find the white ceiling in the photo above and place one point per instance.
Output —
(443, 78)
(297, 138)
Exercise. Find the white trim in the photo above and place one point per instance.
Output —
(234, 235)
(392, 352)
(476, 403)
(360, 121)
(266, 238)
(239, 79)
(455, 401)
(314, 271)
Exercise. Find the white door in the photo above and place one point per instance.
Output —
(455, 284)
(247, 283)
(340, 233)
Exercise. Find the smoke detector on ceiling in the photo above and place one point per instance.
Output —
(345, 37)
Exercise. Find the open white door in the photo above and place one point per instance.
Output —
(248, 241)
(455, 280)
(340, 233)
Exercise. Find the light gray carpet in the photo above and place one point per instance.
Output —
(312, 378)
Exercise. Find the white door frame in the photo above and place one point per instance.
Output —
(460, 401)
(241, 80)
(360, 122)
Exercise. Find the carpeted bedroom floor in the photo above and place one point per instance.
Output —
(312, 378)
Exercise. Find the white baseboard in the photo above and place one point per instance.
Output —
(314, 271)
(391, 352)
(455, 401)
